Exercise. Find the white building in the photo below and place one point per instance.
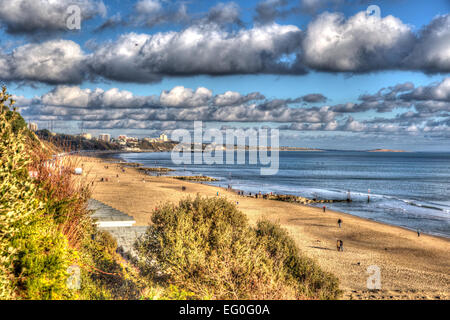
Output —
(33, 126)
(122, 137)
(163, 137)
(104, 137)
(86, 136)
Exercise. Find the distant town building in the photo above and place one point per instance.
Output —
(151, 140)
(122, 137)
(132, 139)
(163, 137)
(33, 126)
(104, 137)
(86, 136)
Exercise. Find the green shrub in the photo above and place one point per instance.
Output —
(106, 275)
(34, 256)
(206, 246)
(41, 263)
(298, 269)
(45, 227)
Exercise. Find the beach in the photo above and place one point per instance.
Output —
(411, 267)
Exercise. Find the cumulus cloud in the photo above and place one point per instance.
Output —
(432, 50)
(282, 103)
(149, 13)
(205, 49)
(231, 98)
(331, 43)
(225, 13)
(178, 97)
(112, 22)
(153, 12)
(178, 104)
(185, 97)
(312, 6)
(361, 43)
(269, 10)
(44, 16)
(440, 91)
(116, 108)
(433, 98)
(353, 125)
(158, 126)
(53, 62)
(75, 97)
(314, 98)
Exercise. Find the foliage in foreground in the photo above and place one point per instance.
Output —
(45, 227)
(206, 246)
(304, 272)
(34, 255)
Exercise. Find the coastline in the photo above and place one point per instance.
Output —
(323, 200)
(412, 267)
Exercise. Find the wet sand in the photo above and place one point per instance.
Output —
(411, 267)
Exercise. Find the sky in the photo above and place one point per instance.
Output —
(335, 74)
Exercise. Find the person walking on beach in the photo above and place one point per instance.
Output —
(340, 245)
(324, 208)
(339, 222)
(418, 232)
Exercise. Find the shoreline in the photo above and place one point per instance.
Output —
(141, 165)
(412, 267)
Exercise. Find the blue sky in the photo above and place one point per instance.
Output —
(303, 60)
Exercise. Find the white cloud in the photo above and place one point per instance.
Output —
(439, 92)
(353, 125)
(224, 13)
(198, 49)
(432, 51)
(56, 61)
(44, 16)
(75, 97)
(360, 43)
(185, 97)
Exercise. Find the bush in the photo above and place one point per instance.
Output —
(45, 226)
(299, 269)
(41, 263)
(105, 276)
(34, 256)
(207, 247)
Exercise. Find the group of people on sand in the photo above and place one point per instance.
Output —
(339, 243)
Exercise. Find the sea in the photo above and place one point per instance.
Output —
(411, 190)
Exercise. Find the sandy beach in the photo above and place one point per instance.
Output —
(411, 267)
